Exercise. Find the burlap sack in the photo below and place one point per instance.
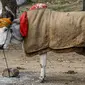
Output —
(55, 30)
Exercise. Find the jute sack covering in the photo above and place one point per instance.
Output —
(55, 30)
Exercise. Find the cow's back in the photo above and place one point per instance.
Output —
(67, 29)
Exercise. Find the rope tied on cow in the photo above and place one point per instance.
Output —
(5, 22)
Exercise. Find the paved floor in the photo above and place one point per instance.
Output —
(31, 78)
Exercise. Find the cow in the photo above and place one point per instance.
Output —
(47, 29)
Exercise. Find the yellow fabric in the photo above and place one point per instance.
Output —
(5, 22)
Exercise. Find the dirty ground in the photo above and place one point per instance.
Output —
(62, 68)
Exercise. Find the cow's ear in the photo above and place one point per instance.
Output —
(16, 21)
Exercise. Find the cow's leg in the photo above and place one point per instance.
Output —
(43, 66)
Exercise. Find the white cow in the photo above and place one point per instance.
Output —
(4, 37)
(13, 35)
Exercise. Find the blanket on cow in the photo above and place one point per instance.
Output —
(55, 30)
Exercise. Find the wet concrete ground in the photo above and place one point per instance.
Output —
(24, 79)
(30, 78)
(57, 67)
(56, 71)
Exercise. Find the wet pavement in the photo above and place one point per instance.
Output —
(25, 78)
(31, 78)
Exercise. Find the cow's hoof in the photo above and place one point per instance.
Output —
(41, 80)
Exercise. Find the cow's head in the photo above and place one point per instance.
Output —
(5, 36)
(10, 35)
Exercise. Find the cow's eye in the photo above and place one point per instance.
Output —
(5, 30)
